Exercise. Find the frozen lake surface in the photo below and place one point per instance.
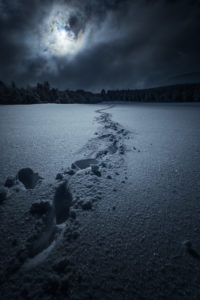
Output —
(43, 137)
(47, 137)
(168, 137)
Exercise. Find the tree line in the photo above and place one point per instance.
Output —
(176, 93)
(43, 93)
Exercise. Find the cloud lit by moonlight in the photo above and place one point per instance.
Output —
(58, 37)
(61, 33)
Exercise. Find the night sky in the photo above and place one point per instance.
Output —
(95, 44)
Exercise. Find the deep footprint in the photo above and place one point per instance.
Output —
(28, 178)
(43, 242)
(62, 203)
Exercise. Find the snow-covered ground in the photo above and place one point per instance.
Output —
(44, 137)
(122, 222)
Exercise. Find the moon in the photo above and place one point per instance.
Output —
(58, 37)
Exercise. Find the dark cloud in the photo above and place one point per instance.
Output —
(127, 44)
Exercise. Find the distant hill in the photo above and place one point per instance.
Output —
(185, 78)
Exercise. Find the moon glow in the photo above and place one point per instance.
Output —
(59, 38)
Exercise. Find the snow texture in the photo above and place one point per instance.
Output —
(120, 222)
